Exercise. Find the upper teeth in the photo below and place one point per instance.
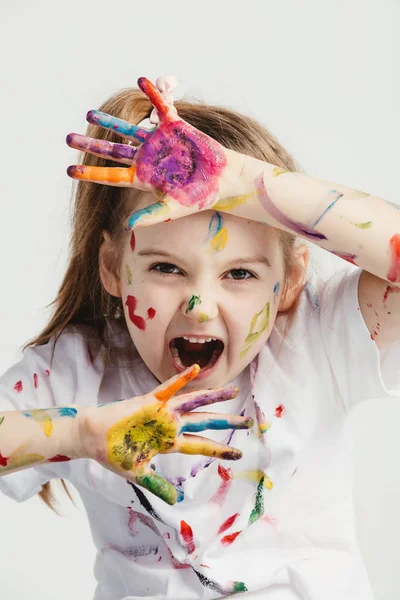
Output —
(199, 340)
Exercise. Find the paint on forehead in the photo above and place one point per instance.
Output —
(128, 274)
(258, 325)
(183, 163)
(194, 301)
(155, 210)
(394, 253)
(217, 233)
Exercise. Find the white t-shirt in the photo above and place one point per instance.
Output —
(277, 524)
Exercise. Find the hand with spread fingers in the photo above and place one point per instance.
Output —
(186, 169)
(124, 436)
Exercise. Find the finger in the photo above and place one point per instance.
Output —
(154, 96)
(157, 213)
(193, 422)
(118, 176)
(119, 126)
(118, 152)
(157, 486)
(195, 444)
(173, 385)
(189, 402)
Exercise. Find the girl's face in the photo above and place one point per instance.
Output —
(201, 289)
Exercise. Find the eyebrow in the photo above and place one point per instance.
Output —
(255, 259)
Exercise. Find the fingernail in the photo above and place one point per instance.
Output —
(233, 454)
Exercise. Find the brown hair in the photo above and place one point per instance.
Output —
(81, 299)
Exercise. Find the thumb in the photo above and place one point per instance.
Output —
(158, 486)
(159, 212)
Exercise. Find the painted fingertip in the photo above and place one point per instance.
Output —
(92, 117)
(194, 369)
(75, 170)
(69, 139)
(142, 83)
(233, 454)
(248, 424)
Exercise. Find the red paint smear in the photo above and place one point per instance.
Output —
(167, 220)
(187, 535)
(228, 523)
(58, 458)
(394, 249)
(390, 290)
(3, 460)
(18, 387)
(47, 372)
(35, 380)
(131, 303)
(151, 313)
(279, 411)
(228, 539)
(159, 558)
(221, 493)
(175, 563)
(133, 242)
(206, 566)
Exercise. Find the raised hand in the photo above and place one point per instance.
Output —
(124, 436)
(186, 169)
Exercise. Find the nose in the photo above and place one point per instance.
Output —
(200, 306)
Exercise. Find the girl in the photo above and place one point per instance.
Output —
(213, 293)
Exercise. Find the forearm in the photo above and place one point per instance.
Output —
(363, 229)
(31, 438)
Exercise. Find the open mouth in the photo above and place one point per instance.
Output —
(204, 353)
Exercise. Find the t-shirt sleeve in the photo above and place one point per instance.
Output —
(37, 381)
(360, 369)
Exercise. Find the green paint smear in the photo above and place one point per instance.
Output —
(158, 486)
(1, 420)
(258, 509)
(239, 586)
(366, 225)
(261, 321)
(194, 300)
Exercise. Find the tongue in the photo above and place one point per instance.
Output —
(191, 353)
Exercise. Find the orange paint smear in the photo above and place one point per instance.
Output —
(165, 395)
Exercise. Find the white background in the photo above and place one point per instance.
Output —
(321, 75)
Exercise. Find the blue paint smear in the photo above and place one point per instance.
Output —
(216, 223)
(276, 287)
(329, 207)
(143, 212)
(206, 424)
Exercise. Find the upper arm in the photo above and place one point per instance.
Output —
(380, 307)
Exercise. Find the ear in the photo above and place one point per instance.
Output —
(107, 266)
(294, 278)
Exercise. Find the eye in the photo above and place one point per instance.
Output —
(239, 274)
(166, 269)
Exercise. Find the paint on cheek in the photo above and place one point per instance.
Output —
(258, 325)
(139, 322)
(276, 290)
(128, 275)
(394, 251)
(194, 301)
